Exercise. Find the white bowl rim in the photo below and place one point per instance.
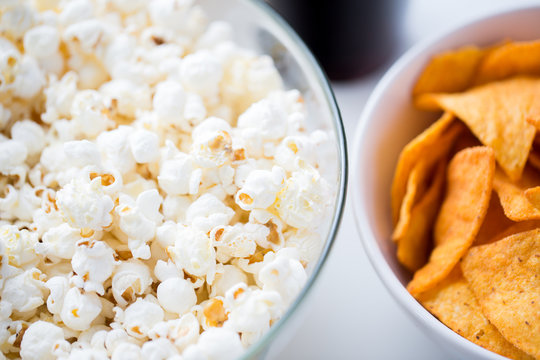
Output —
(391, 282)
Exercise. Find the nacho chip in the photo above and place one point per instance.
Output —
(415, 189)
(497, 114)
(516, 228)
(511, 59)
(504, 277)
(436, 139)
(450, 71)
(494, 223)
(512, 195)
(533, 195)
(469, 185)
(453, 303)
(414, 243)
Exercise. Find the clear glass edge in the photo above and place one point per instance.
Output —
(316, 69)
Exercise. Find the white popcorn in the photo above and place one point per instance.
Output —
(93, 262)
(128, 97)
(266, 118)
(87, 112)
(16, 20)
(227, 277)
(25, 292)
(80, 309)
(59, 242)
(217, 33)
(216, 343)
(19, 204)
(12, 155)
(285, 274)
(182, 332)
(139, 317)
(43, 341)
(201, 72)
(303, 199)
(115, 149)
(41, 41)
(294, 149)
(29, 80)
(127, 351)
(260, 189)
(159, 349)
(30, 134)
(169, 101)
(208, 212)
(179, 176)
(176, 295)
(76, 11)
(144, 146)
(81, 153)
(175, 207)
(84, 204)
(58, 287)
(131, 278)
(193, 252)
(239, 240)
(18, 245)
(307, 242)
(59, 96)
(85, 35)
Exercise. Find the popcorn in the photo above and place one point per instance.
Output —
(84, 204)
(79, 309)
(43, 341)
(140, 317)
(131, 278)
(176, 295)
(30, 134)
(260, 189)
(41, 41)
(169, 170)
(93, 263)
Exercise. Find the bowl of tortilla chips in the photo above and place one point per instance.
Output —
(446, 185)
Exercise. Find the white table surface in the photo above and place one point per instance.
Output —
(351, 315)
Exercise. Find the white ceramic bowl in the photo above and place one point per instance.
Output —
(388, 122)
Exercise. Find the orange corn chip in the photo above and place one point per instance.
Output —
(511, 59)
(469, 184)
(494, 223)
(453, 303)
(414, 243)
(450, 71)
(516, 228)
(512, 195)
(436, 139)
(533, 195)
(504, 277)
(497, 114)
(416, 185)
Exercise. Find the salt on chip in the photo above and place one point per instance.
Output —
(497, 115)
(512, 195)
(510, 59)
(450, 71)
(453, 303)
(504, 277)
(437, 138)
(494, 223)
(414, 244)
(469, 185)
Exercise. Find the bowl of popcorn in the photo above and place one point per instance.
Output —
(172, 175)
(447, 184)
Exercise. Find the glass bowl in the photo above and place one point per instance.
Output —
(257, 26)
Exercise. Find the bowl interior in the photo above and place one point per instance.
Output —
(388, 122)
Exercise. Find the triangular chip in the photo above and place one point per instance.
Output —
(497, 114)
(430, 144)
(512, 195)
(469, 185)
(414, 244)
(533, 195)
(505, 278)
(450, 71)
(494, 223)
(511, 59)
(453, 303)
(416, 185)
(516, 228)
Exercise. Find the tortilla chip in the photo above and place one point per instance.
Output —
(414, 244)
(469, 185)
(450, 71)
(494, 223)
(436, 139)
(516, 228)
(497, 114)
(416, 186)
(453, 303)
(512, 195)
(511, 59)
(504, 277)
